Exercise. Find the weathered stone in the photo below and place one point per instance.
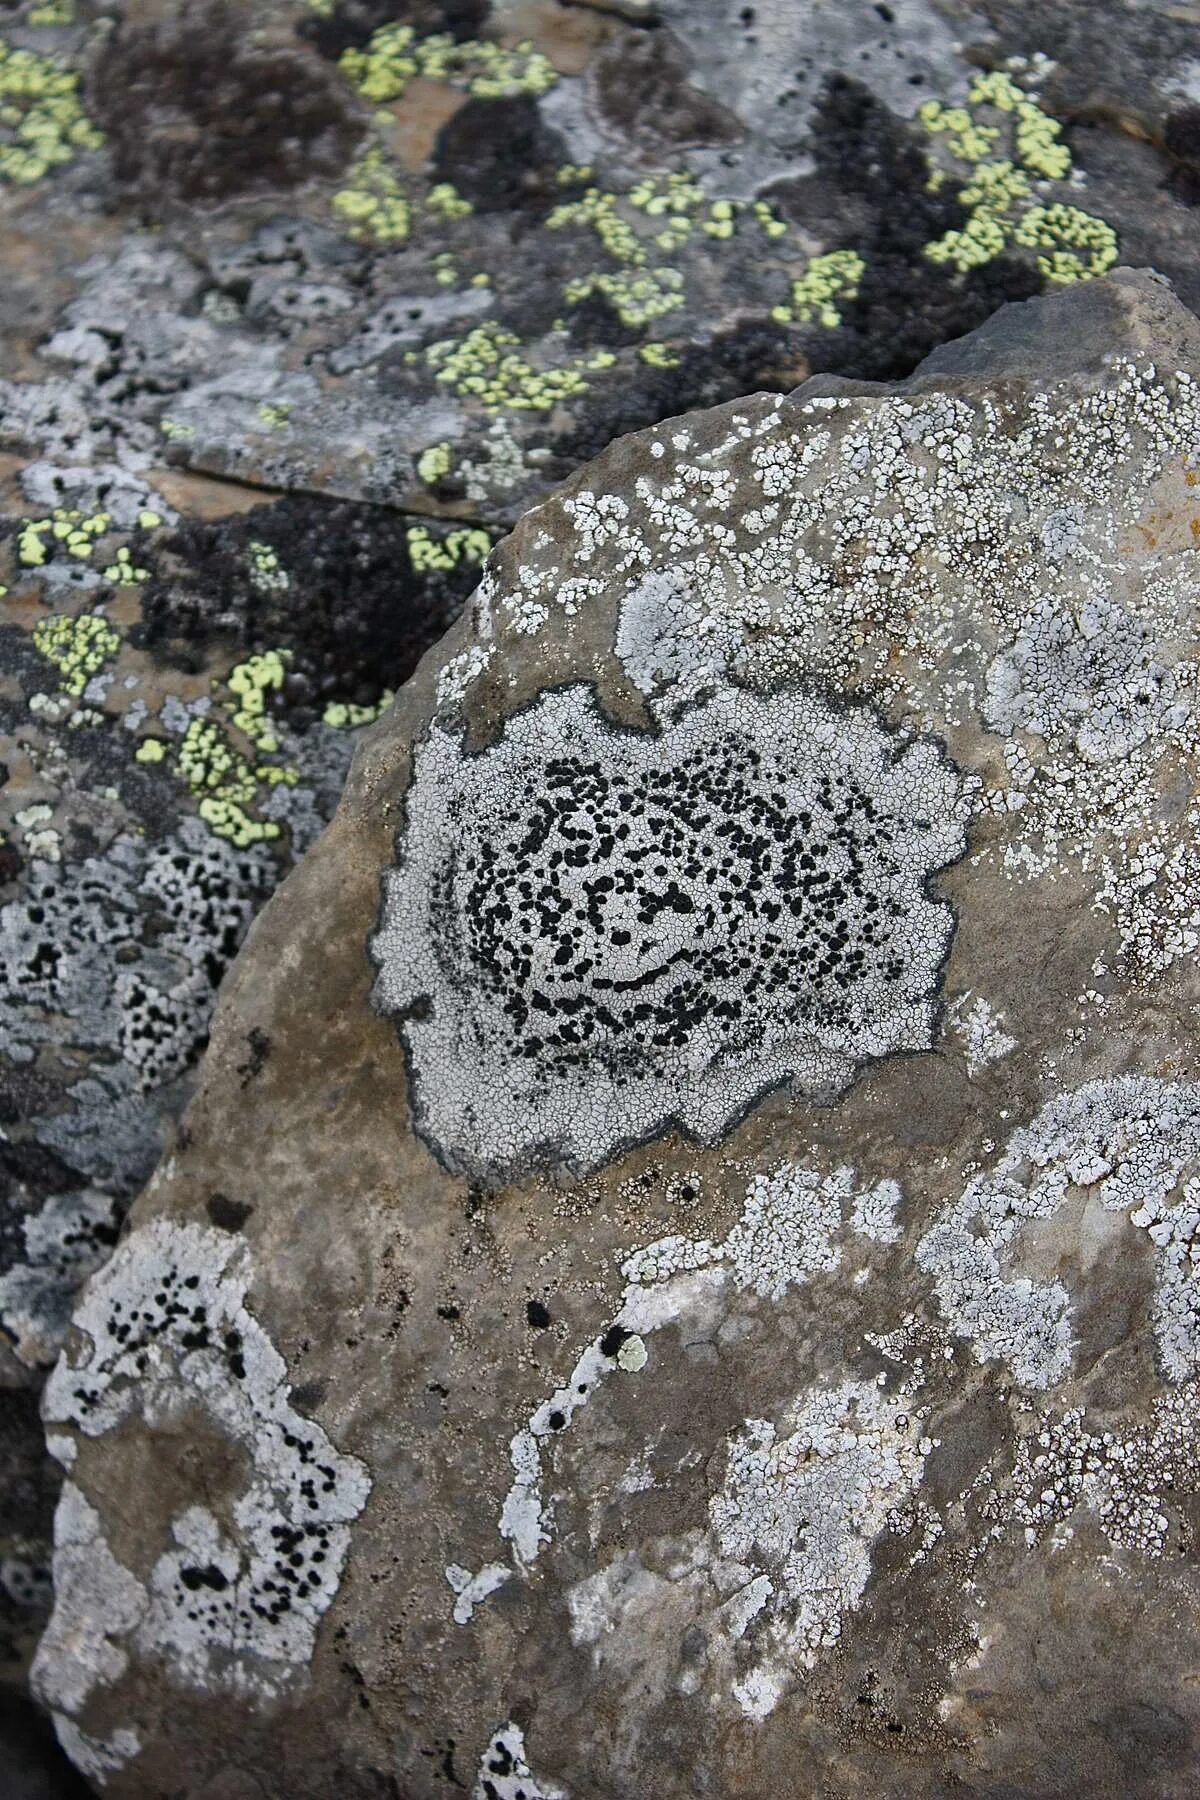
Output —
(680, 1274)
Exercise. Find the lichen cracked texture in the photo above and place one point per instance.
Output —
(593, 932)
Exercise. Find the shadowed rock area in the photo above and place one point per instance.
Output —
(701, 1285)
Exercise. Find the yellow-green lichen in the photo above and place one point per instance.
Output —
(344, 716)
(42, 121)
(54, 12)
(395, 55)
(150, 750)
(470, 545)
(659, 356)
(637, 296)
(250, 683)
(172, 428)
(435, 463)
(78, 647)
(1006, 209)
(445, 202)
(65, 528)
(275, 414)
(827, 280)
(123, 571)
(373, 205)
(488, 365)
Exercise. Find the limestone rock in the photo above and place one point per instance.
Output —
(698, 1280)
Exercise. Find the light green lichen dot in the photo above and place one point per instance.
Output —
(445, 202)
(123, 571)
(78, 647)
(426, 552)
(828, 279)
(150, 750)
(250, 683)
(1080, 245)
(69, 529)
(55, 12)
(225, 785)
(42, 121)
(173, 429)
(659, 356)
(267, 573)
(275, 414)
(435, 463)
(373, 206)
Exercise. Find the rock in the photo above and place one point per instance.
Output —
(681, 1266)
(299, 335)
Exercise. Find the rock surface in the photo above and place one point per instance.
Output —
(304, 304)
(682, 1266)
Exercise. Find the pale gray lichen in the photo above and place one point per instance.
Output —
(1129, 1141)
(593, 933)
(233, 1602)
(505, 1774)
(786, 1234)
(71, 1235)
(800, 1512)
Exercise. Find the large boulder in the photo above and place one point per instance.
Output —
(681, 1274)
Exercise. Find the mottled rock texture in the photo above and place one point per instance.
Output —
(680, 1275)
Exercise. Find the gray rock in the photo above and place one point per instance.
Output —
(681, 1266)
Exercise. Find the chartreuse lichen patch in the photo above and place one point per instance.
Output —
(1006, 153)
(238, 1584)
(592, 933)
(78, 647)
(42, 120)
(395, 55)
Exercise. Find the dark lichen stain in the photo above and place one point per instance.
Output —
(870, 194)
(196, 110)
(356, 616)
(227, 1214)
(501, 156)
(1181, 141)
(258, 1046)
(538, 1314)
(352, 23)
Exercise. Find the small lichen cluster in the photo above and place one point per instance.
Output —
(827, 280)
(396, 55)
(372, 204)
(489, 365)
(1128, 1140)
(42, 120)
(1004, 192)
(77, 646)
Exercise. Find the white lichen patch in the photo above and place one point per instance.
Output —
(1127, 1481)
(800, 1511)
(787, 1233)
(980, 1030)
(593, 933)
(1130, 1141)
(504, 1773)
(233, 1601)
(1023, 563)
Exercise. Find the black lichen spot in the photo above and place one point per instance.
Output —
(501, 156)
(356, 616)
(195, 110)
(450, 1313)
(1181, 141)
(227, 1214)
(614, 1337)
(538, 1314)
(258, 1046)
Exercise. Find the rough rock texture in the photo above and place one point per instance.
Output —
(682, 1266)
(407, 263)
